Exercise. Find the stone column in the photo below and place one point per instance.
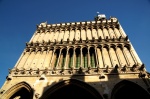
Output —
(70, 29)
(97, 31)
(103, 56)
(121, 31)
(102, 28)
(92, 31)
(75, 32)
(117, 54)
(66, 59)
(99, 57)
(73, 64)
(126, 58)
(89, 64)
(81, 57)
(30, 58)
(107, 28)
(86, 31)
(110, 33)
(52, 58)
(110, 56)
(134, 58)
(58, 58)
(96, 56)
(81, 28)
(115, 31)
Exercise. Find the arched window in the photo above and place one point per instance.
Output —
(63, 57)
(92, 57)
(70, 60)
(78, 57)
(56, 56)
(85, 57)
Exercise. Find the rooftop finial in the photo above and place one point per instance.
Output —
(97, 13)
(100, 16)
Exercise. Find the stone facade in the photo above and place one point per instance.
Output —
(92, 58)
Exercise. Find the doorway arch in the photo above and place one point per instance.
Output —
(71, 88)
(129, 90)
(21, 90)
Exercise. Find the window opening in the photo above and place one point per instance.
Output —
(92, 57)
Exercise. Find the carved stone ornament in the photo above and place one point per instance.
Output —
(37, 95)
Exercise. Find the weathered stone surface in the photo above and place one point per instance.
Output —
(96, 57)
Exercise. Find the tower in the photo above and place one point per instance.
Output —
(92, 59)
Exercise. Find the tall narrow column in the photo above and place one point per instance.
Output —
(117, 54)
(81, 28)
(101, 49)
(109, 32)
(70, 29)
(89, 64)
(113, 28)
(109, 35)
(128, 62)
(100, 58)
(97, 31)
(96, 57)
(30, 58)
(86, 28)
(102, 28)
(58, 58)
(75, 33)
(121, 32)
(92, 31)
(66, 59)
(52, 59)
(73, 65)
(111, 59)
(134, 58)
(81, 57)
(45, 59)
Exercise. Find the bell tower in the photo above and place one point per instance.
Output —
(78, 59)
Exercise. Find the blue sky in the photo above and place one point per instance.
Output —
(18, 20)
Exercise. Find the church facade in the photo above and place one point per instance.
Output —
(92, 59)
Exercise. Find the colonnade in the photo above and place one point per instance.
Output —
(60, 34)
(78, 56)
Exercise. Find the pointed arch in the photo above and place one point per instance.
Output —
(22, 90)
(129, 90)
(74, 88)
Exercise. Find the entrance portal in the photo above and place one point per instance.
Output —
(72, 89)
(21, 90)
(23, 93)
(129, 90)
